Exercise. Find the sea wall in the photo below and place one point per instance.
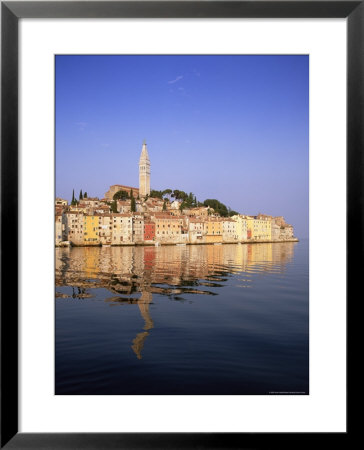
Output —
(156, 244)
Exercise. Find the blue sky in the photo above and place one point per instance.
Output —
(233, 128)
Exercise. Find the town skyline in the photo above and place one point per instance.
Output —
(140, 216)
(255, 161)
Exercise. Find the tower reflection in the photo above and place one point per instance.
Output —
(133, 274)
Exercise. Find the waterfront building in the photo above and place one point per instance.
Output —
(259, 229)
(144, 172)
(229, 232)
(169, 229)
(73, 227)
(196, 230)
(276, 231)
(58, 228)
(91, 230)
(122, 229)
(105, 228)
(286, 232)
(149, 230)
(241, 227)
(138, 228)
(213, 230)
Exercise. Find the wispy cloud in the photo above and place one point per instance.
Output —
(176, 79)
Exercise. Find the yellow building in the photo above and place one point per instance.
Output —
(169, 228)
(259, 229)
(241, 227)
(213, 230)
(91, 230)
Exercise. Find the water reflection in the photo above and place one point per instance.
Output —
(133, 274)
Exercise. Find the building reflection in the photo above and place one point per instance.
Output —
(133, 274)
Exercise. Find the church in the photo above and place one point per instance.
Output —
(144, 179)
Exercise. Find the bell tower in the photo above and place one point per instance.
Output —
(144, 172)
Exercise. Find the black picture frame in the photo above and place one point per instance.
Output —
(11, 12)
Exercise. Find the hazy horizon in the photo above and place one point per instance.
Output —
(234, 128)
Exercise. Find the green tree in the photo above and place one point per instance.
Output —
(80, 197)
(132, 205)
(190, 200)
(114, 206)
(219, 207)
(164, 205)
(120, 195)
(232, 212)
(85, 195)
(156, 194)
(175, 194)
(167, 192)
(73, 202)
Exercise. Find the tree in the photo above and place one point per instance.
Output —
(231, 212)
(167, 192)
(85, 195)
(164, 205)
(219, 207)
(132, 203)
(114, 206)
(120, 195)
(156, 194)
(80, 197)
(73, 202)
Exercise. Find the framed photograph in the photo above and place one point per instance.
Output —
(181, 184)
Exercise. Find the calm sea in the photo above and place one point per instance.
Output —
(202, 319)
